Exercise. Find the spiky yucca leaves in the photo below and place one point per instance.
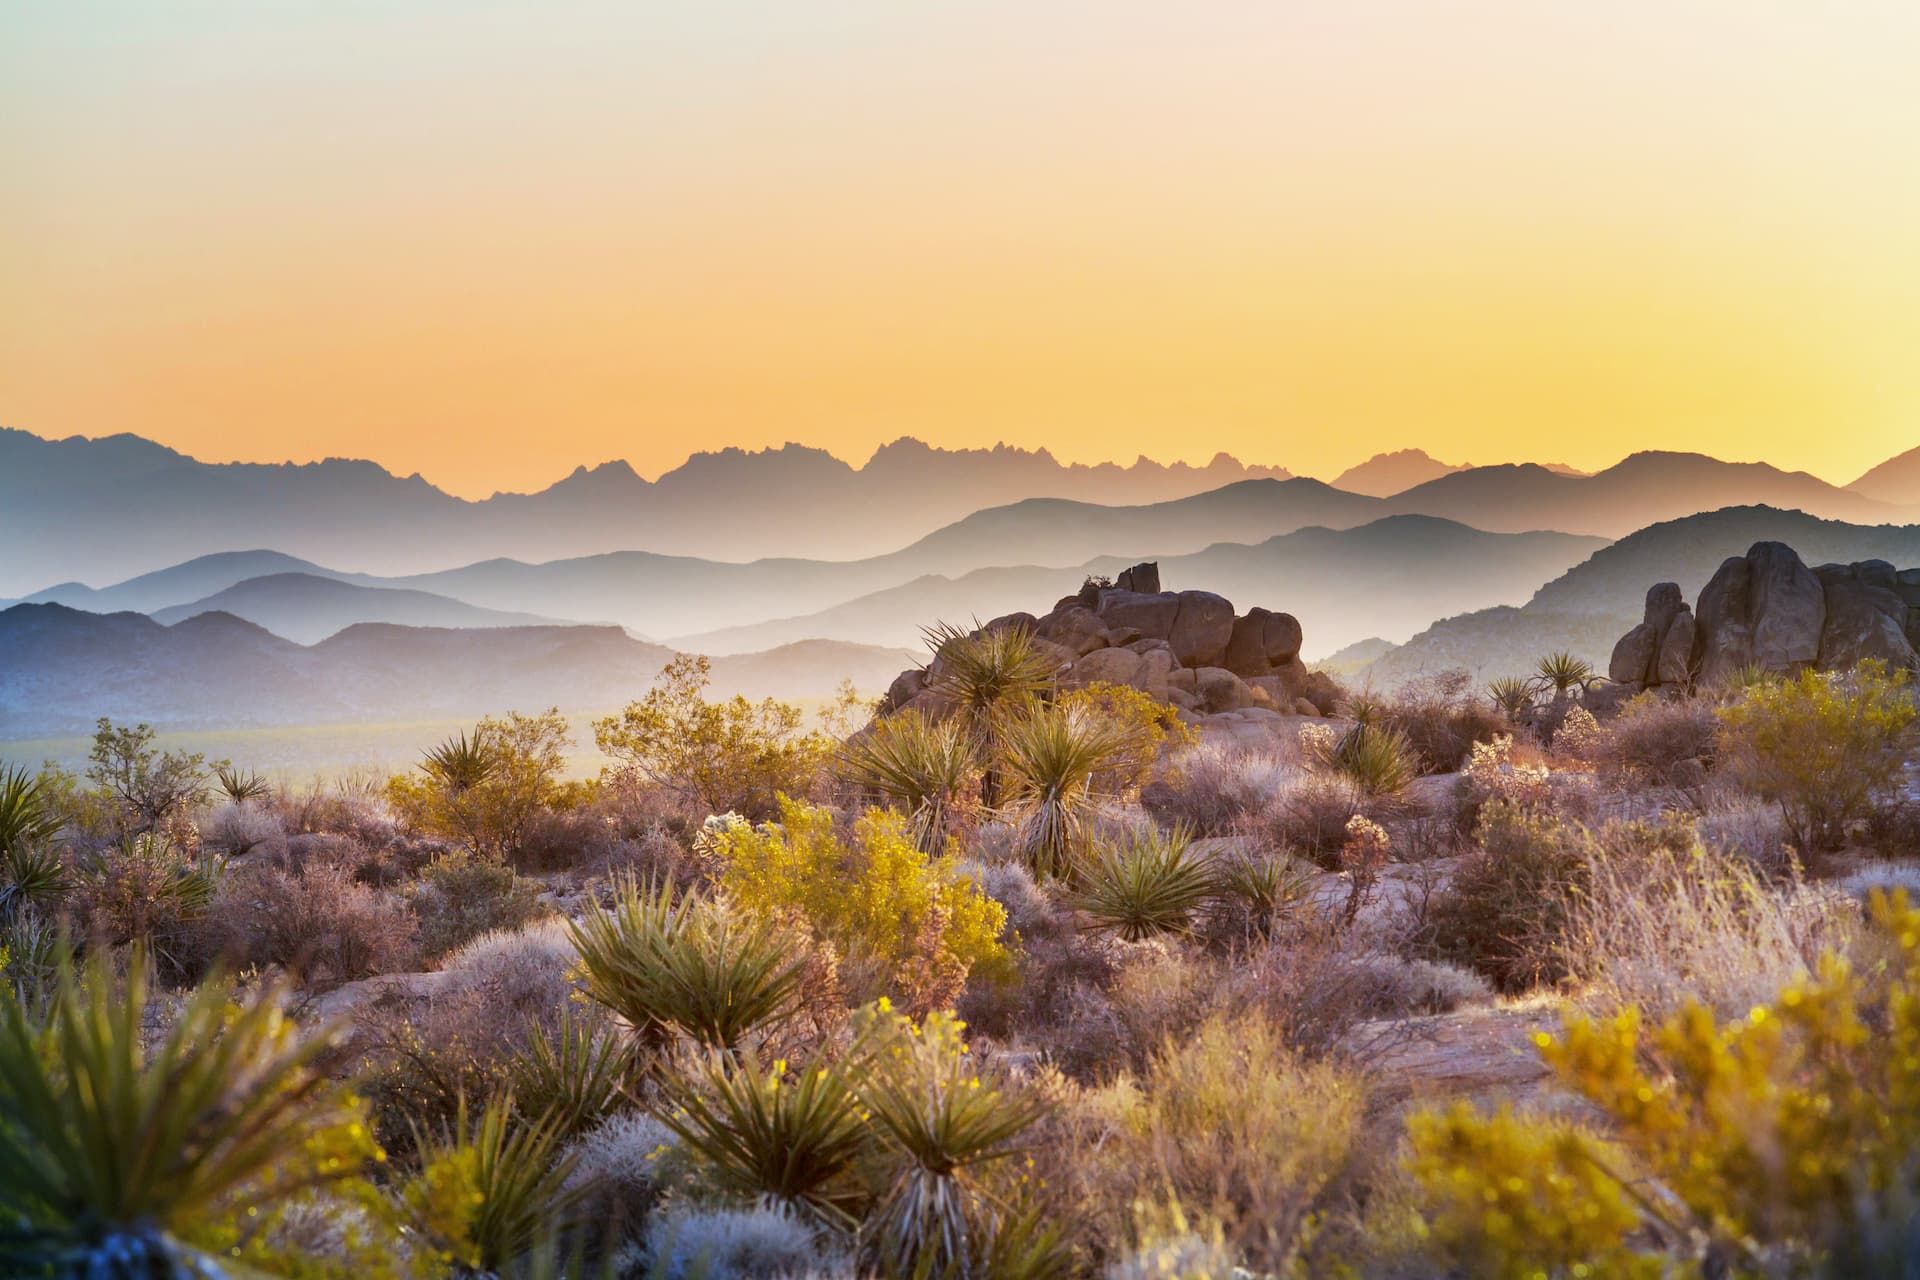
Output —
(240, 787)
(986, 672)
(578, 1075)
(493, 1193)
(30, 871)
(112, 1154)
(921, 766)
(1264, 888)
(1051, 755)
(461, 763)
(664, 960)
(1378, 760)
(943, 1124)
(1149, 884)
(1563, 673)
(767, 1131)
(1511, 696)
(1365, 709)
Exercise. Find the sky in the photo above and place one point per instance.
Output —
(488, 241)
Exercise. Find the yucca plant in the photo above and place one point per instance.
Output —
(1563, 673)
(1149, 884)
(240, 787)
(1051, 755)
(578, 1074)
(1264, 888)
(461, 763)
(32, 871)
(920, 765)
(790, 1136)
(664, 961)
(1379, 761)
(1364, 709)
(114, 1155)
(492, 1193)
(986, 672)
(943, 1124)
(1511, 696)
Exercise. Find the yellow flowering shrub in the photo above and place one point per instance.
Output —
(902, 922)
(1147, 725)
(1778, 1143)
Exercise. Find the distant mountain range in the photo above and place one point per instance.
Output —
(61, 668)
(1587, 608)
(307, 608)
(1897, 480)
(1385, 474)
(1387, 578)
(102, 510)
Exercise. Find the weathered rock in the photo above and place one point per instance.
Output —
(1057, 655)
(1726, 639)
(1673, 665)
(1863, 618)
(1261, 640)
(1787, 607)
(1075, 626)
(1201, 629)
(1634, 655)
(1220, 690)
(1143, 577)
(1111, 666)
(1156, 669)
(1010, 621)
(1303, 707)
(905, 687)
(1151, 614)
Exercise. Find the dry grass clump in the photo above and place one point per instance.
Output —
(1695, 924)
(1442, 718)
(1307, 813)
(1228, 1124)
(1659, 742)
(1734, 822)
(461, 896)
(751, 1244)
(237, 830)
(1210, 788)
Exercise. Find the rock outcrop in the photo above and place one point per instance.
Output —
(1768, 609)
(1184, 647)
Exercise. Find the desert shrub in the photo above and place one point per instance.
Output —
(1658, 927)
(1308, 815)
(621, 1167)
(1211, 787)
(319, 925)
(352, 804)
(1254, 892)
(1580, 737)
(731, 756)
(1154, 883)
(491, 1191)
(1493, 775)
(668, 961)
(128, 1155)
(761, 1132)
(148, 890)
(1052, 757)
(1228, 1123)
(1661, 742)
(1441, 719)
(461, 896)
(149, 785)
(235, 830)
(1827, 747)
(946, 1125)
(1733, 822)
(487, 791)
(927, 768)
(1148, 727)
(1377, 759)
(1504, 913)
(752, 1244)
(1777, 1142)
(903, 924)
(1059, 963)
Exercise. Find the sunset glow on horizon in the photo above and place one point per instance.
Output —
(487, 242)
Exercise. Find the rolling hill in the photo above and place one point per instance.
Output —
(307, 608)
(60, 668)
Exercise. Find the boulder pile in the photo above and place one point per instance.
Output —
(1189, 648)
(1768, 609)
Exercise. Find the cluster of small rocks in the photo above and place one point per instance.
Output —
(1189, 648)
(1769, 610)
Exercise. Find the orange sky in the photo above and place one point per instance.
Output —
(487, 241)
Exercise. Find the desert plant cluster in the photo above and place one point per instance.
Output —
(1526, 980)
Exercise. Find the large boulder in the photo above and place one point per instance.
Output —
(906, 686)
(1725, 637)
(1787, 605)
(1634, 655)
(1262, 640)
(1151, 614)
(1143, 577)
(1201, 629)
(1105, 666)
(1864, 617)
(1075, 627)
(1660, 649)
(1219, 690)
(1673, 665)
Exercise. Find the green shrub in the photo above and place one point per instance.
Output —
(1152, 883)
(903, 924)
(667, 961)
(719, 757)
(148, 785)
(1828, 747)
(116, 1153)
(462, 896)
(487, 792)
(1504, 912)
